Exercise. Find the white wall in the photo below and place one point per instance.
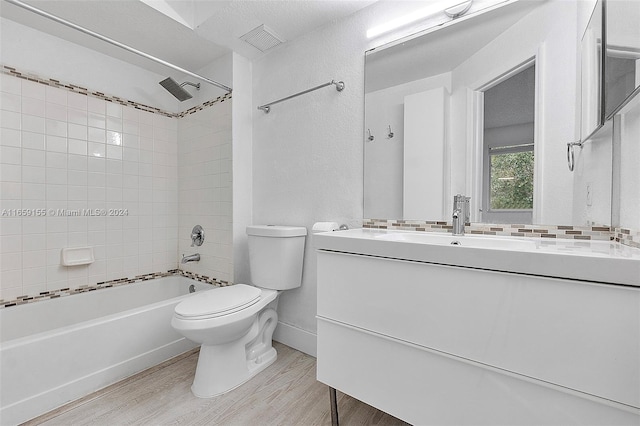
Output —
(383, 180)
(629, 170)
(307, 152)
(242, 166)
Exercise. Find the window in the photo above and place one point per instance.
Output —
(511, 177)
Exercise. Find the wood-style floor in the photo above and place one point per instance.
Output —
(286, 393)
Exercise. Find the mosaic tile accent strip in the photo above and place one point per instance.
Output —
(203, 278)
(600, 232)
(5, 69)
(628, 237)
(63, 292)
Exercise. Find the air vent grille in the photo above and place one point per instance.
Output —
(262, 38)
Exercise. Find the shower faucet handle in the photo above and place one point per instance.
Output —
(197, 236)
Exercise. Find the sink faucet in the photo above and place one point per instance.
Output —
(460, 213)
(190, 258)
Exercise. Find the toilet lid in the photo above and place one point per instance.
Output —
(218, 302)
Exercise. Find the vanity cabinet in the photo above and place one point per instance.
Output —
(438, 344)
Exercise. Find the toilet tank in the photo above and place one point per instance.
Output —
(275, 255)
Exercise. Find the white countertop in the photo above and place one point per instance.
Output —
(596, 261)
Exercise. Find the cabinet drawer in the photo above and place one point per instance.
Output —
(426, 387)
(579, 335)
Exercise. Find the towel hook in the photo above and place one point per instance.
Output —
(390, 134)
(370, 138)
(571, 161)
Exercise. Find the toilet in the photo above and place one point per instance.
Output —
(235, 324)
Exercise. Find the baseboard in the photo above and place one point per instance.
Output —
(296, 338)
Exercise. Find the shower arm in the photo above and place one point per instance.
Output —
(114, 42)
(188, 83)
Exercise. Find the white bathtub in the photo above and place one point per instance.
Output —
(55, 351)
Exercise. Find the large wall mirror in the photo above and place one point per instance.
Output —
(483, 106)
(622, 60)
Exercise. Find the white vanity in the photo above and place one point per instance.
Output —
(487, 330)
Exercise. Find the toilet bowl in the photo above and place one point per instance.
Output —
(234, 325)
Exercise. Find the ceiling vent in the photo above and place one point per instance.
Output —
(262, 38)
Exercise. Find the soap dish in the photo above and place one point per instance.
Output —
(76, 256)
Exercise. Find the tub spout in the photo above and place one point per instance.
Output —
(190, 258)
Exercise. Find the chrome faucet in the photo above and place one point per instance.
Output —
(460, 213)
(190, 258)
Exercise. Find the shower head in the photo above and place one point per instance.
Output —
(177, 90)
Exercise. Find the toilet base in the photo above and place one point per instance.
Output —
(223, 383)
(222, 368)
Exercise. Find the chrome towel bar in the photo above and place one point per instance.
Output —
(267, 107)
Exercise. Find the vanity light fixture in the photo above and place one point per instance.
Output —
(450, 7)
(458, 10)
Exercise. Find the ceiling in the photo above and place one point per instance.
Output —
(438, 52)
(200, 32)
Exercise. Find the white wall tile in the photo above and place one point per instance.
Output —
(77, 146)
(114, 109)
(10, 119)
(32, 89)
(77, 131)
(10, 155)
(56, 143)
(32, 106)
(10, 84)
(56, 112)
(77, 101)
(33, 140)
(96, 105)
(31, 157)
(77, 116)
(63, 150)
(114, 124)
(57, 160)
(10, 173)
(10, 137)
(56, 95)
(32, 123)
(56, 128)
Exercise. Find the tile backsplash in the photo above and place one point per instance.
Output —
(596, 232)
(81, 168)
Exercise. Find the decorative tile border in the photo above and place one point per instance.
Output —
(47, 295)
(202, 278)
(5, 69)
(601, 233)
(628, 237)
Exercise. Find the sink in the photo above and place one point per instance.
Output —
(495, 243)
(596, 261)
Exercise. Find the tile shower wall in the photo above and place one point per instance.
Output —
(205, 191)
(64, 152)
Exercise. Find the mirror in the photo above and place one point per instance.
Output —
(622, 60)
(592, 112)
(434, 92)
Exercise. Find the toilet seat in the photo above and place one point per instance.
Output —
(218, 302)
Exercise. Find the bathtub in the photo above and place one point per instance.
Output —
(56, 351)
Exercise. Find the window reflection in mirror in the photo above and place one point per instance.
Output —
(508, 147)
(622, 61)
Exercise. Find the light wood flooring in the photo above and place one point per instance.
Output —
(286, 393)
